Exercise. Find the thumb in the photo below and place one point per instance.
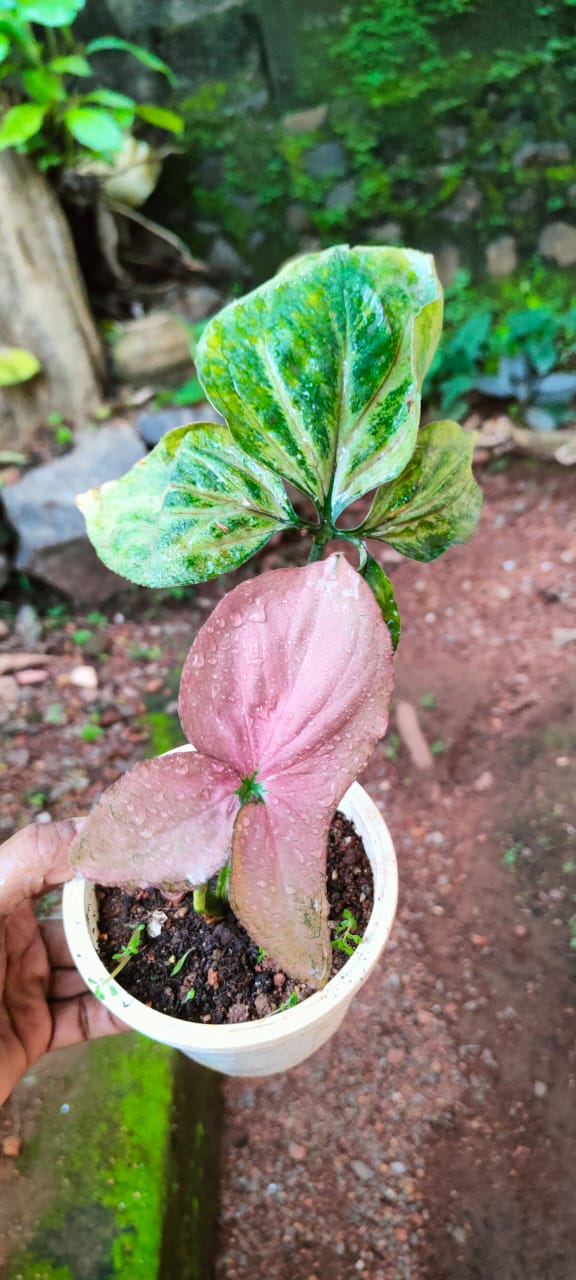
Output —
(36, 860)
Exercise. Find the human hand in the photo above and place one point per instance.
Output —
(44, 1003)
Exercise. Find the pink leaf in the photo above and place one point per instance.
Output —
(167, 822)
(294, 665)
(278, 883)
(290, 680)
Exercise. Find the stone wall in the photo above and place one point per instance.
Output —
(446, 124)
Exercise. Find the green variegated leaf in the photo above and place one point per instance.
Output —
(381, 586)
(194, 508)
(319, 371)
(435, 502)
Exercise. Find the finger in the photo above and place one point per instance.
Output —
(56, 945)
(35, 860)
(83, 1018)
(65, 983)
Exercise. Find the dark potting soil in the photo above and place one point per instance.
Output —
(230, 979)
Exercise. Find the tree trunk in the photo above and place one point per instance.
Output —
(43, 307)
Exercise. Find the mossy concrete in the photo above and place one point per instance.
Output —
(121, 1171)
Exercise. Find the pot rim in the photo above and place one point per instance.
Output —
(357, 805)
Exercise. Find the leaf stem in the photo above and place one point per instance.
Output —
(320, 541)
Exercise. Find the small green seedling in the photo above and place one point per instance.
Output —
(510, 857)
(81, 636)
(345, 938)
(290, 1003)
(189, 995)
(36, 799)
(428, 700)
(180, 963)
(131, 948)
(392, 746)
(147, 653)
(93, 730)
(55, 714)
(261, 956)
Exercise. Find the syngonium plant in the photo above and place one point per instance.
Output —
(318, 374)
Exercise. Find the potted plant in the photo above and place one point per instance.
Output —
(285, 690)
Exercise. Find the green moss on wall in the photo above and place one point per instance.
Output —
(105, 1158)
(455, 120)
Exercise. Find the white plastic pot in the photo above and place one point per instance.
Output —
(281, 1040)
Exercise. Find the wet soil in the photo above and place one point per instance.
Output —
(201, 969)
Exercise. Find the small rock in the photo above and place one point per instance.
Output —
(556, 388)
(484, 782)
(155, 923)
(296, 1151)
(20, 661)
(539, 420)
(238, 1013)
(501, 256)
(150, 346)
(541, 155)
(201, 301)
(479, 940)
(34, 675)
(362, 1171)
(153, 425)
(306, 121)
(558, 241)
(397, 1168)
(225, 260)
(452, 139)
(279, 980)
(395, 1057)
(540, 1089)
(487, 1057)
(328, 160)
(563, 635)
(8, 691)
(386, 233)
(447, 260)
(11, 1145)
(297, 218)
(342, 196)
(262, 1005)
(42, 507)
(520, 931)
(27, 626)
(467, 200)
(83, 677)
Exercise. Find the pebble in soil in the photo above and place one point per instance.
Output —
(230, 978)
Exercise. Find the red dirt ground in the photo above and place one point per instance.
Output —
(435, 1138)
